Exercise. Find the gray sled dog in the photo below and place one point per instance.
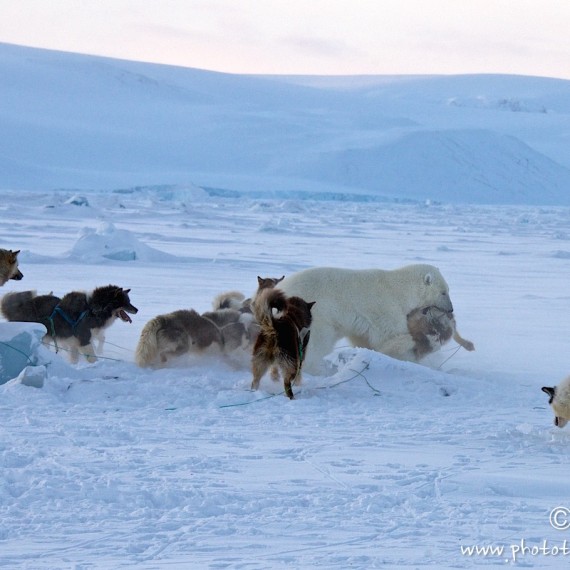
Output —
(559, 401)
(9, 266)
(187, 332)
(283, 337)
(75, 319)
(230, 300)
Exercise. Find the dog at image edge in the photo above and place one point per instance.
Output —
(559, 401)
(9, 266)
(75, 319)
(284, 332)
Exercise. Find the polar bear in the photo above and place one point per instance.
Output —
(560, 401)
(370, 307)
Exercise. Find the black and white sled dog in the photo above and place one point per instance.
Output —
(73, 320)
(185, 331)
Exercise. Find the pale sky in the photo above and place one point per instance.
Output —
(325, 37)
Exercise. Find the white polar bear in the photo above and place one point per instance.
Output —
(369, 307)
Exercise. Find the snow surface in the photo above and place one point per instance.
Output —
(379, 464)
(74, 121)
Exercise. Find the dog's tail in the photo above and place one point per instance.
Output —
(228, 300)
(264, 305)
(18, 306)
(147, 348)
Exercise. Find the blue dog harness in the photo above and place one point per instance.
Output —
(73, 323)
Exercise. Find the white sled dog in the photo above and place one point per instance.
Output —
(560, 401)
(370, 307)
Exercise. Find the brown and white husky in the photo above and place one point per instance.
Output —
(9, 266)
(284, 324)
(430, 328)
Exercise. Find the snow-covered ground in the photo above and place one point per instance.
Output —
(379, 464)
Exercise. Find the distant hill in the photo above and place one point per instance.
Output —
(71, 121)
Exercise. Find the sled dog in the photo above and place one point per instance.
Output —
(236, 300)
(75, 319)
(186, 331)
(9, 266)
(370, 307)
(283, 336)
(560, 401)
(229, 300)
(430, 328)
(268, 282)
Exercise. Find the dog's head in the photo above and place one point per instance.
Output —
(268, 282)
(560, 408)
(124, 305)
(112, 299)
(12, 261)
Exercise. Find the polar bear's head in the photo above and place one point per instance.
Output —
(560, 402)
(437, 291)
(430, 288)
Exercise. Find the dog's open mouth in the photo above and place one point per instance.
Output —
(124, 316)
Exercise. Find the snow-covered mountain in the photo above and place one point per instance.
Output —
(74, 121)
